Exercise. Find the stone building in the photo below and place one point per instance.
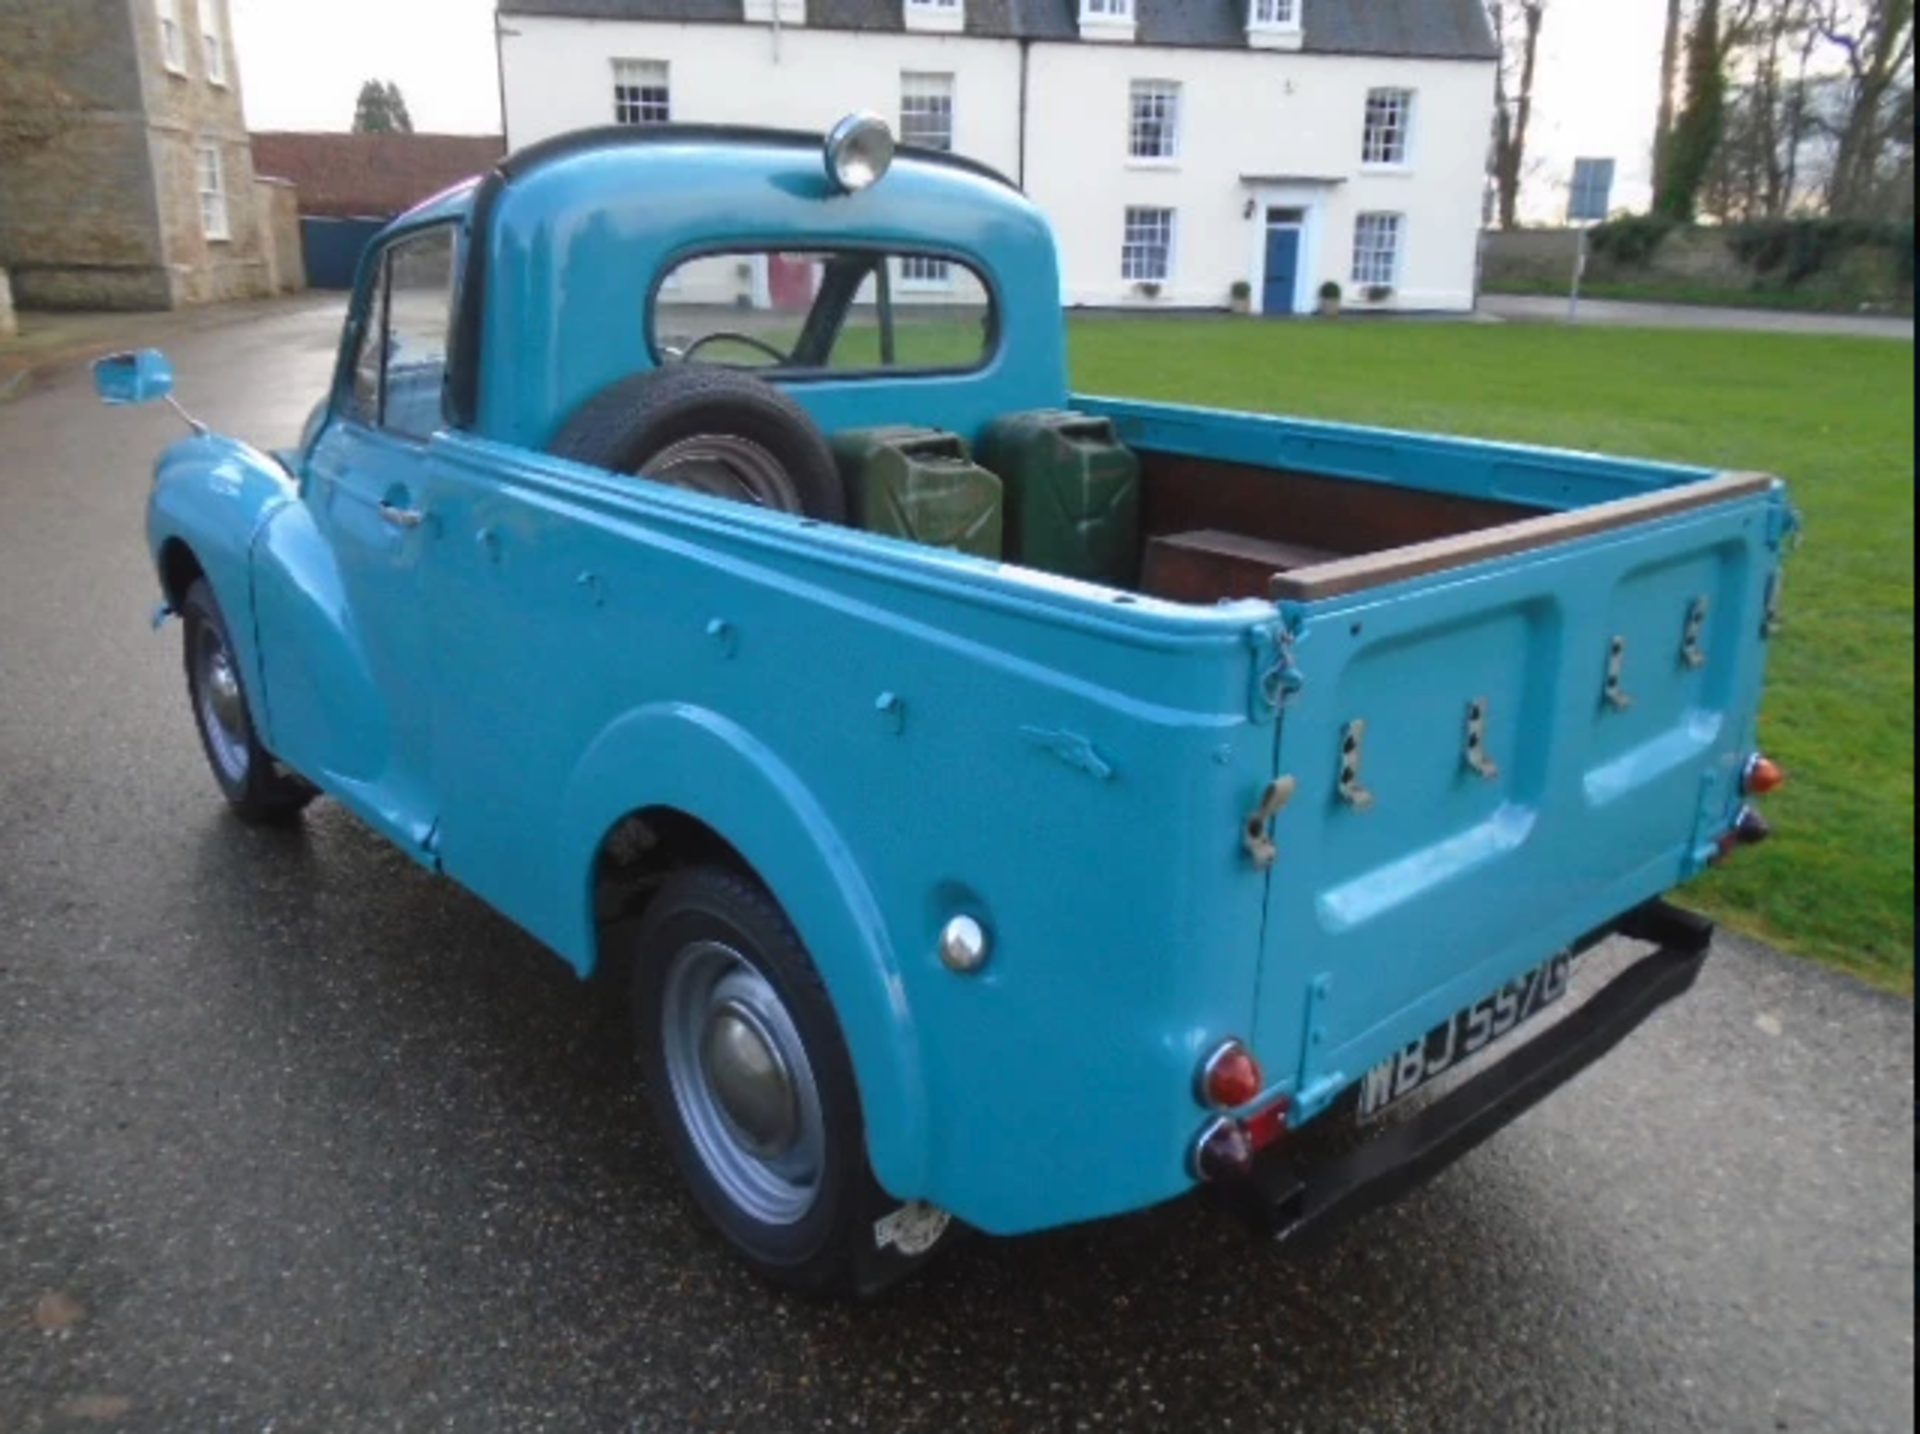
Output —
(126, 178)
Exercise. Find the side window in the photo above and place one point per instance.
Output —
(401, 367)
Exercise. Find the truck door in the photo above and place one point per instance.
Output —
(365, 481)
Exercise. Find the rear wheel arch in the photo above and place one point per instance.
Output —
(723, 793)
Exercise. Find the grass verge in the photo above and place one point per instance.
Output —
(1834, 416)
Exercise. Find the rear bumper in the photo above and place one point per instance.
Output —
(1297, 1200)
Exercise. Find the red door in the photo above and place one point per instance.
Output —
(791, 281)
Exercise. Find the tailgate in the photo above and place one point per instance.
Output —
(1494, 760)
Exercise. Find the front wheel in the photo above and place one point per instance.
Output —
(254, 784)
(750, 1081)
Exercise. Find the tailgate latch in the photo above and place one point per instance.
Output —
(1692, 654)
(1258, 836)
(1475, 755)
(1353, 752)
(1618, 698)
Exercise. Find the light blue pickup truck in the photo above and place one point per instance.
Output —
(1009, 807)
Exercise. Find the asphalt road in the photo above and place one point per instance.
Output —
(1613, 313)
(295, 1138)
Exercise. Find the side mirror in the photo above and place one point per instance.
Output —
(135, 377)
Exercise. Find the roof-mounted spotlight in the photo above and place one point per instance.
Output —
(859, 152)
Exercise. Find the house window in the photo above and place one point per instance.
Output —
(1275, 15)
(926, 119)
(173, 45)
(1376, 250)
(1389, 118)
(1155, 132)
(212, 182)
(641, 93)
(926, 110)
(938, 16)
(1106, 9)
(213, 41)
(1146, 255)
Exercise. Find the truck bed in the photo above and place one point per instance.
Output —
(1216, 530)
(1240, 506)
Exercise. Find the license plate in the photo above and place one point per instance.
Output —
(1470, 1032)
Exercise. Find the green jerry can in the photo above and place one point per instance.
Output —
(1073, 494)
(920, 484)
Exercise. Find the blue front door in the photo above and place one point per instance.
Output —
(1283, 270)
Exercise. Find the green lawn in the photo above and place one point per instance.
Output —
(1833, 416)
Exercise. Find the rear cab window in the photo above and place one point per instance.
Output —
(838, 312)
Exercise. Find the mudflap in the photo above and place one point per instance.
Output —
(899, 1238)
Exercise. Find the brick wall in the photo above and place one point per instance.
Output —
(108, 215)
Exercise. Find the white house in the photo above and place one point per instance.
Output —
(1180, 147)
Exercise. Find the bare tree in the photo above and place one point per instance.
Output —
(1669, 80)
(1769, 48)
(1516, 26)
(1875, 42)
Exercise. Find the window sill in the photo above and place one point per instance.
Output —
(179, 72)
(219, 82)
(1387, 171)
(1139, 162)
(1276, 37)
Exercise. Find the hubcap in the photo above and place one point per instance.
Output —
(742, 1084)
(724, 466)
(750, 1081)
(221, 706)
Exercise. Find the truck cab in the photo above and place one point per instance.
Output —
(1012, 807)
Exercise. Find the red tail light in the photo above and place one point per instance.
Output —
(1270, 1125)
(1230, 1077)
(1763, 776)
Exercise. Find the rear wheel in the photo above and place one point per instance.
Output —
(749, 1079)
(253, 782)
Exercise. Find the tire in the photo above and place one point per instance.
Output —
(712, 430)
(720, 973)
(254, 783)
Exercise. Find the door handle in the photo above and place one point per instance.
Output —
(402, 517)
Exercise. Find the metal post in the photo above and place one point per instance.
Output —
(1579, 273)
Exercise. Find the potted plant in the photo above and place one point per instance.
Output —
(1379, 293)
(1240, 295)
(1148, 288)
(1330, 298)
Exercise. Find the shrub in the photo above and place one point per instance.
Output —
(1330, 292)
(1633, 241)
(1791, 251)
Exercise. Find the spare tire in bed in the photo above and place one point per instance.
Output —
(711, 430)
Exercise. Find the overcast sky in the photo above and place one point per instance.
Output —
(301, 66)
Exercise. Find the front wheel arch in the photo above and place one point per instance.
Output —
(179, 569)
